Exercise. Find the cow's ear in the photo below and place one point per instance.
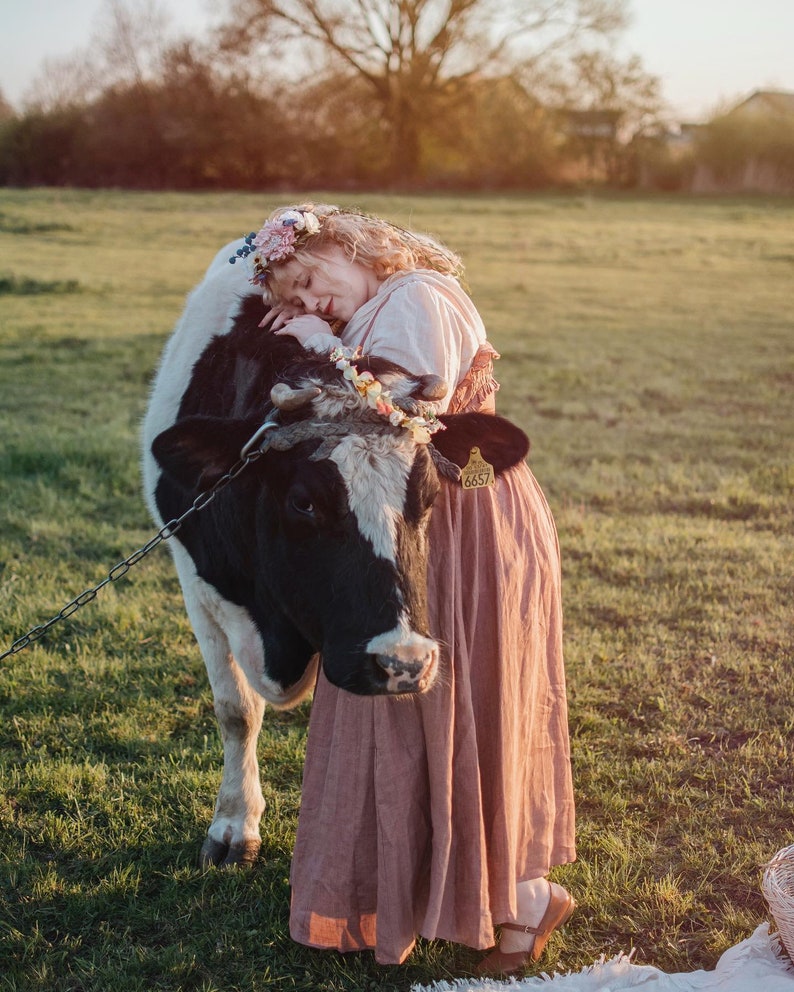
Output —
(501, 443)
(198, 450)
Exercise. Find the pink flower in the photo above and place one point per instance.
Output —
(275, 241)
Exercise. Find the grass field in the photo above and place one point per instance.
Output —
(647, 348)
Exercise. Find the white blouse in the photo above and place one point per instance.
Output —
(421, 320)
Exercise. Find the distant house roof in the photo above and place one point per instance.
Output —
(685, 137)
(592, 123)
(778, 102)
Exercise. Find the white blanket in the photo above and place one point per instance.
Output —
(758, 964)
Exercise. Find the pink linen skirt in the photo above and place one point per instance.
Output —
(419, 814)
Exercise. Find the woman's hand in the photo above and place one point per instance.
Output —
(304, 327)
(280, 314)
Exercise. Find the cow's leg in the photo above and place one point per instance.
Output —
(233, 836)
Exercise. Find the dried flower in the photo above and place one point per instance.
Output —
(379, 399)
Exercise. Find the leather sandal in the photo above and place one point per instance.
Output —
(561, 906)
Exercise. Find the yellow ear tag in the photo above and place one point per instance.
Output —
(477, 472)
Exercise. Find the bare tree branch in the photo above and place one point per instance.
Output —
(415, 53)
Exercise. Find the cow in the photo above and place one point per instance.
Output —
(316, 552)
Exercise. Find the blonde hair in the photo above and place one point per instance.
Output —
(375, 243)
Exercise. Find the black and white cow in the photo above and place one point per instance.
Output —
(318, 547)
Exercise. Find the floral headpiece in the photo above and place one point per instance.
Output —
(277, 240)
(379, 399)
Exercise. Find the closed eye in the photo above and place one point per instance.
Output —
(305, 285)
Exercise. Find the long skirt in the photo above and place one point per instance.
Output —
(419, 814)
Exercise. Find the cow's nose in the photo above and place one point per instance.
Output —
(412, 668)
(409, 659)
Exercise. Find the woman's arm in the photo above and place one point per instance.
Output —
(423, 324)
(424, 329)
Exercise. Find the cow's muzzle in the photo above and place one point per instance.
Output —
(408, 659)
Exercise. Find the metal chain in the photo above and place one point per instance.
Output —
(249, 453)
(252, 449)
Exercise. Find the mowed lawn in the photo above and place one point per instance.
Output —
(647, 348)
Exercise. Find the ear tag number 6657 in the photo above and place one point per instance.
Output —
(477, 473)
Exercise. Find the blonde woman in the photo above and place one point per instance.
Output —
(440, 815)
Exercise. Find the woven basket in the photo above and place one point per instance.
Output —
(778, 888)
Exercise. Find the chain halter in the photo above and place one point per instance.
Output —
(270, 435)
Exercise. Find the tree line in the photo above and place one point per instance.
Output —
(462, 94)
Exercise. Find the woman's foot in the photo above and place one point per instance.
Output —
(523, 943)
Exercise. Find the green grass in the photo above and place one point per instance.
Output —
(648, 349)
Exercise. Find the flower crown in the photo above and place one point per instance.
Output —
(421, 427)
(277, 240)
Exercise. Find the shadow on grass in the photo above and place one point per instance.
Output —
(146, 920)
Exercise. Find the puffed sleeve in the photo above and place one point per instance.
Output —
(425, 329)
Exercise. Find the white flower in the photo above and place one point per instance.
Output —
(311, 223)
(293, 218)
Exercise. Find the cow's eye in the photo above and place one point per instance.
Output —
(302, 505)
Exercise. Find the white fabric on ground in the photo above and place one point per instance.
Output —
(757, 964)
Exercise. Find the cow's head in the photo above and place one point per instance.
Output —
(335, 513)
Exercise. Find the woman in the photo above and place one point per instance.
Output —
(440, 815)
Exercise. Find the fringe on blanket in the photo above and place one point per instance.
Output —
(758, 963)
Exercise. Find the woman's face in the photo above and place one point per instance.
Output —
(334, 289)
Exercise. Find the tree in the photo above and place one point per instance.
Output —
(335, 138)
(129, 43)
(130, 40)
(38, 149)
(6, 110)
(602, 102)
(126, 47)
(415, 55)
(597, 80)
(61, 83)
(496, 135)
(748, 148)
(216, 126)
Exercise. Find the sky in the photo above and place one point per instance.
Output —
(709, 54)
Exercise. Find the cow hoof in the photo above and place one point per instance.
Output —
(243, 855)
(212, 853)
(216, 853)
